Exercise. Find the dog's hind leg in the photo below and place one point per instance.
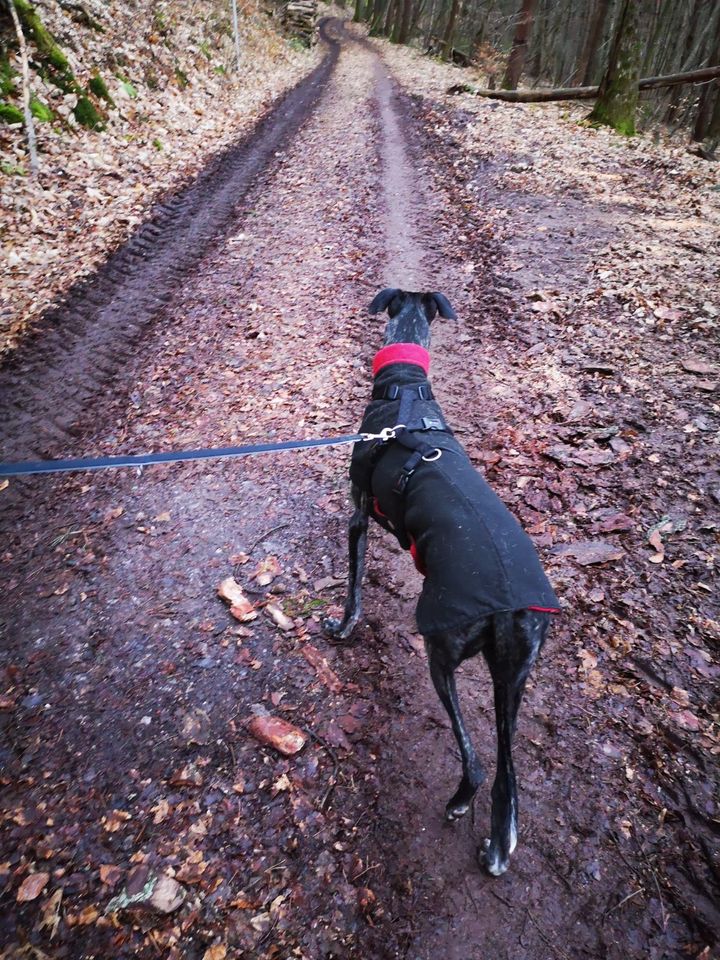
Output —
(442, 671)
(516, 643)
(357, 545)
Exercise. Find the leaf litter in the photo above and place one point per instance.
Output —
(624, 689)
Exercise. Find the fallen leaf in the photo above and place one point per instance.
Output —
(51, 913)
(325, 583)
(261, 922)
(618, 522)
(325, 674)
(217, 952)
(110, 874)
(280, 618)
(586, 552)
(696, 365)
(686, 720)
(282, 783)
(188, 776)
(161, 811)
(116, 820)
(87, 916)
(32, 886)
(243, 903)
(195, 727)
(266, 571)
(240, 607)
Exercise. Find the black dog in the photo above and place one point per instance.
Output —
(484, 589)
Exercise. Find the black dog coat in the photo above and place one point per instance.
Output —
(475, 557)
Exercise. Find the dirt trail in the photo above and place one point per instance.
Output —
(129, 686)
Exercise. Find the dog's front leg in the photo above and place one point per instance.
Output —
(357, 544)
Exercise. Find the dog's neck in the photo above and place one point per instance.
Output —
(405, 353)
(410, 325)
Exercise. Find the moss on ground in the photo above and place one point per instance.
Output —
(87, 114)
(43, 39)
(10, 114)
(41, 111)
(98, 86)
(7, 73)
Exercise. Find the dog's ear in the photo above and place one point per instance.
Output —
(382, 300)
(443, 305)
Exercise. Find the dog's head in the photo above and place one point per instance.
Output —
(410, 314)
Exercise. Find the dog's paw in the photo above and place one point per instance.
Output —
(491, 859)
(332, 627)
(453, 811)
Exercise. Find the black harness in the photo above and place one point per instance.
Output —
(410, 436)
(422, 487)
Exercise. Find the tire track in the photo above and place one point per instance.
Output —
(52, 379)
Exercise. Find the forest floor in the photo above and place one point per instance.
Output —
(583, 380)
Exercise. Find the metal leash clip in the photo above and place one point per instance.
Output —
(387, 433)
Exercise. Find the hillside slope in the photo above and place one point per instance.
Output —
(163, 80)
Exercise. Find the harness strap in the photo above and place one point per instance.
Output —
(392, 392)
(409, 439)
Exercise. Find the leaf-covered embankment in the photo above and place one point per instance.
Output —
(162, 79)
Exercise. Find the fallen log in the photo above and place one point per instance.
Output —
(583, 93)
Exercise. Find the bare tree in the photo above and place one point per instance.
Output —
(585, 68)
(29, 122)
(236, 33)
(516, 60)
(618, 97)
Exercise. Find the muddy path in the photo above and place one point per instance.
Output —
(129, 687)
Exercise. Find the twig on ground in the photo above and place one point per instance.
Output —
(624, 900)
(546, 940)
(280, 526)
(333, 779)
(653, 874)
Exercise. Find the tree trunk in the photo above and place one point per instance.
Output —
(389, 17)
(707, 100)
(713, 131)
(447, 40)
(236, 35)
(405, 21)
(704, 113)
(378, 18)
(397, 21)
(618, 95)
(585, 68)
(516, 61)
(29, 122)
(584, 93)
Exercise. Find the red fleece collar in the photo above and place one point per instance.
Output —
(401, 353)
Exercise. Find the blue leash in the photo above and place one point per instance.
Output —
(178, 456)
